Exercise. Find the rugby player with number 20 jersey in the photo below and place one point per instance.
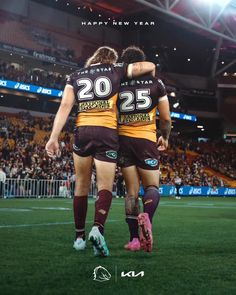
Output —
(94, 89)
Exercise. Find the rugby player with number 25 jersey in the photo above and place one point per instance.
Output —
(94, 89)
(139, 99)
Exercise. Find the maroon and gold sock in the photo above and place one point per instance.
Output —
(102, 206)
(80, 205)
(151, 200)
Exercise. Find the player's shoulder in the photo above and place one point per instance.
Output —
(119, 65)
(159, 83)
(73, 74)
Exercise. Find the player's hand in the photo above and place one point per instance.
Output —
(52, 148)
(162, 144)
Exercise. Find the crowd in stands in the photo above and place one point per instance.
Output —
(22, 156)
(191, 173)
(34, 76)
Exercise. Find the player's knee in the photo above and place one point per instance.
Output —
(82, 188)
(81, 192)
(132, 190)
(104, 186)
(131, 206)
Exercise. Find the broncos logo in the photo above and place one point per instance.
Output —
(100, 274)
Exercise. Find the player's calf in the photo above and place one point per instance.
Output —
(102, 207)
(80, 205)
(151, 200)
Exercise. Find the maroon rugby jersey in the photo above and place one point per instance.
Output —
(137, 104)
(96, 91)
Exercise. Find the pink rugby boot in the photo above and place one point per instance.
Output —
(133, 245)
(145, 233)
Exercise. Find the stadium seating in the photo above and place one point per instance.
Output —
(36, 77)
(16, 34)
(24, 148)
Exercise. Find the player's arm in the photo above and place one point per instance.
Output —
(63, 112)
(140, 68)
(153, 73)
(164, 122)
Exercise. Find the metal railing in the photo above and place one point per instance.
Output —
(46, 188)
(42, 188)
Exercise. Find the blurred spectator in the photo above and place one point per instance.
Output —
(2, 182)
(120, 188)
(178, 184)
(35, 76)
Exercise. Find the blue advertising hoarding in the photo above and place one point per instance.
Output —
(182, 116)
(30, 88)
(170, 190)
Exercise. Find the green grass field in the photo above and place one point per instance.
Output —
(194, 251)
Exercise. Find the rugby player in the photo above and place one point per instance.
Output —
(95, 90)
(138, 102)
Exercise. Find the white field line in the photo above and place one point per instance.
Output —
(14, 210)
(34, 208)
(200, 206)
(178, 204)
(181, 205)
(46, 224)
(51, 208)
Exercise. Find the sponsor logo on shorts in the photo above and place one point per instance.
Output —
(151, 162)
(75, 147)
(111, 154)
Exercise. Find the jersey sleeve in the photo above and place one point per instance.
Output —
(161, 89)
(121, 69)
(70, 80)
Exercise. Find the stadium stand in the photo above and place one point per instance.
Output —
(23, 154)
(46, 39)
(33, 76)
(16, 34)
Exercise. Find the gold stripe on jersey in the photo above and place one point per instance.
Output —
(142, 129)
(98, 113)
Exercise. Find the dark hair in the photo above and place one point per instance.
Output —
(104, 55)
(132, 54)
